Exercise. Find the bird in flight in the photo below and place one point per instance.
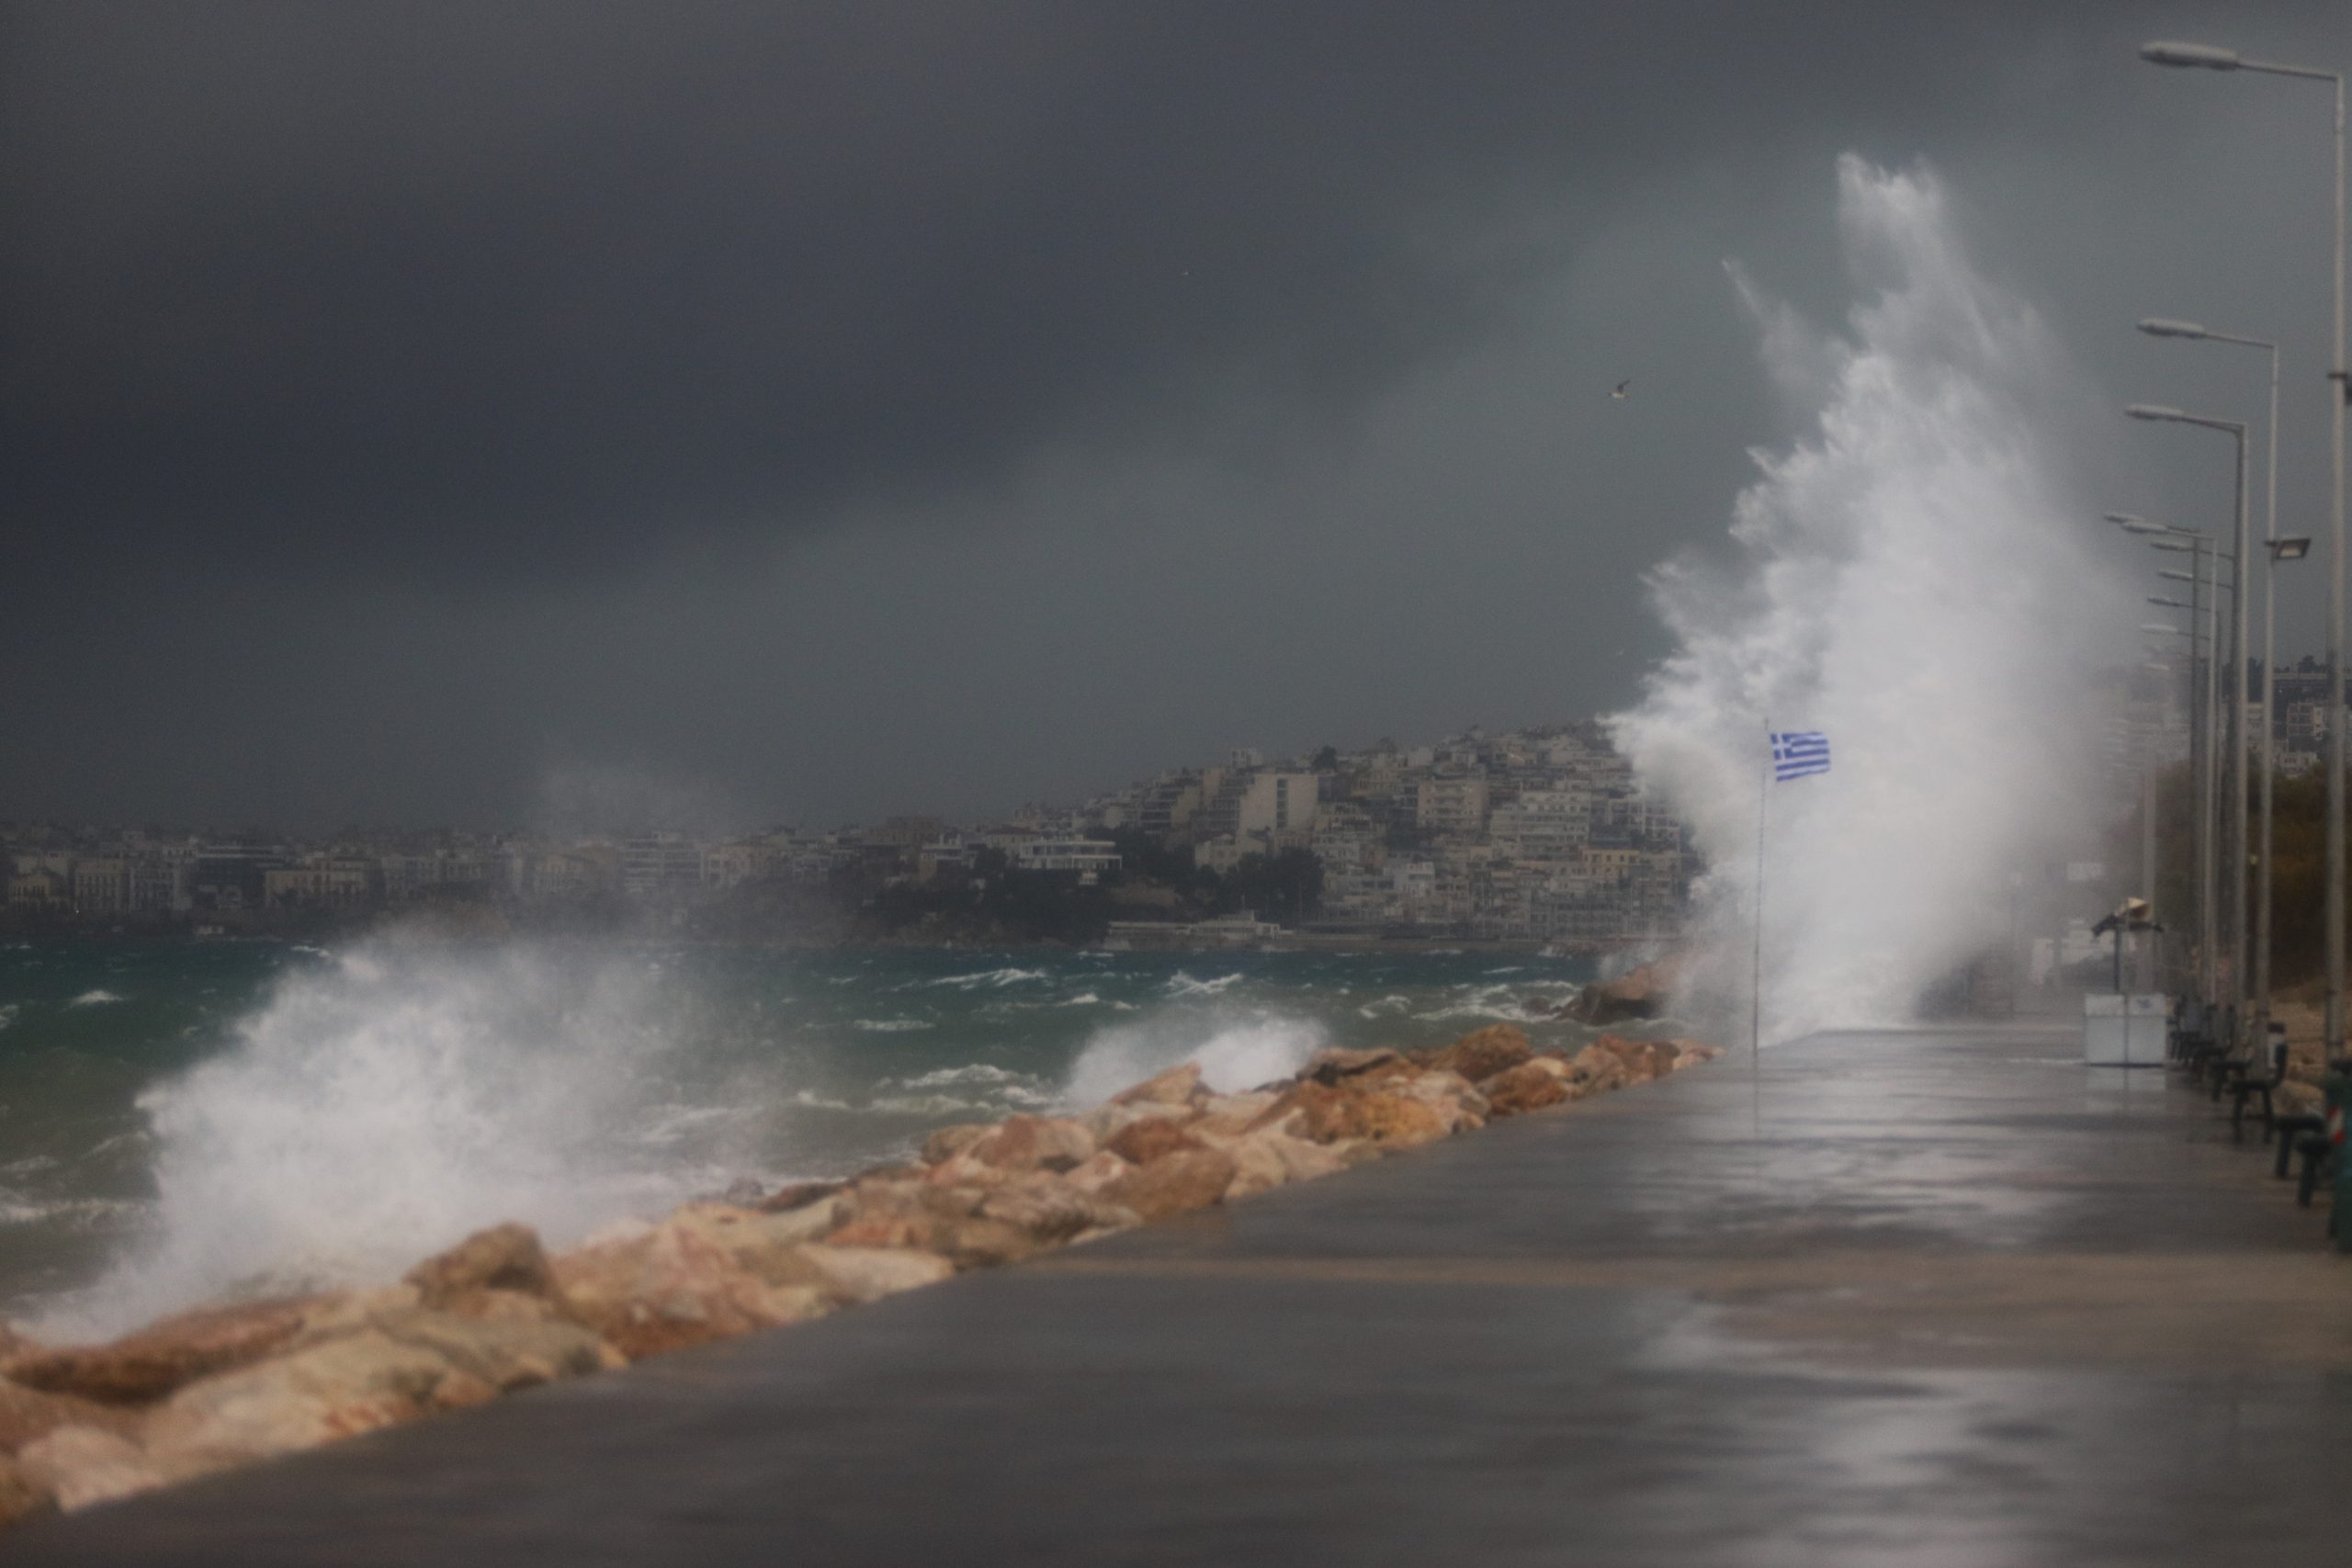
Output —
(1618, 392)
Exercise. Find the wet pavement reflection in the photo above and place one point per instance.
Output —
(1934, 1297)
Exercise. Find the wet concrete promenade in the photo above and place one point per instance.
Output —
(1903, 1298)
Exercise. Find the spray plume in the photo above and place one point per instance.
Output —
(1915, 584)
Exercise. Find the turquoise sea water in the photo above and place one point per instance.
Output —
(180, 1121)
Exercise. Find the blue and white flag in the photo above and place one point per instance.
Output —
(1799, 752)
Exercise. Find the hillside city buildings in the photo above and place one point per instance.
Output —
(1536, 834)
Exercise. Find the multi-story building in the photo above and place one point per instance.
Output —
(102, 885)
(660, 865)
(1452, 803)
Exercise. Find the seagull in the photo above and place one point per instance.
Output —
(1618, 392)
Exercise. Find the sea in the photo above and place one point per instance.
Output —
(183, 1122)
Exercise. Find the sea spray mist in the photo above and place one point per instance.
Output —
(1912, 578)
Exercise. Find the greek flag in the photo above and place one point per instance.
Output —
(1798, 752)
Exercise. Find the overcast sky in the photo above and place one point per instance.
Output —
(478, 412)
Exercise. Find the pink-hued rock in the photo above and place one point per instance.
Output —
(1178, 1086)
(1052, 1209)
(869, 1273)
(505, 1258)
(1097, 1173)
(1033, 1143)
(798, 1196)
(672, 1287)
(1270, 1158)
(22, 1497)
(1461, 1108)
(28, 1415)
(1482, 1053)
(1530, 1085)
(1229, 1115)
(167, 1354)
(949, 1142)
(1334, 1066)
(1190, 1179)
(1148, 1140)
(77, 1466)
(1325, 1115)
(767, 1245)
(1105, 1121)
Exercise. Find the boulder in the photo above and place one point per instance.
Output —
(1098, 1173)
(799, 1195)
(1051, 1209)
(338, 1388)
(1103, 1122)
(1530, 1085)
(1144, 1142)
(22, 1497)
(886, 1214)
(1033, 1143)
(1330, 1066)
(979, 1242)
(949, 1142)
(28, 1415)
(504, 1258)
(503, 1354)
(1644, 1059)
(1179, 1086)
(673, 1287)
(1460, 1107)
(77, 1466)
(1190, 1179)
(1325, 1115)
(767, 1245)
(1271, 1158)
(1229, 1115)
(1691, 1053)
(869, 1273)
(1639, 993)
(1482, 1053)
(167, 1354)
(1600, 1069)
(401, 1367)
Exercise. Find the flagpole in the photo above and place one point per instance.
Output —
(1756, 977)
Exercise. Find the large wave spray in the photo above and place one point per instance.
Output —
(381, 1106)
(1914, 586)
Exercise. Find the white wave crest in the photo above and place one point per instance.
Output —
(891, 1025)
(93, 999)
(996, 978)
(1235, 1053)
(374, 1110)
(1183, 986)
(1910, 575)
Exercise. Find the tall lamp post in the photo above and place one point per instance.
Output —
(2233, 731)
(2203, 703)
(2206, 57)
(2258, 978)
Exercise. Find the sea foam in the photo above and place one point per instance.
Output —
(1911, 580)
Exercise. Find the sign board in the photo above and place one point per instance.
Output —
(2123, 1031)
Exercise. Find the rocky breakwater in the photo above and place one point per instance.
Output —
(236, 1384)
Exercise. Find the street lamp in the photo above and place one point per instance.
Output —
(2258, 987)
(2232, 733)
(2203, 699)
(2211, 58)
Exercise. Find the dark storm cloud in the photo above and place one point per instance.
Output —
(833, 410)
(518, 290)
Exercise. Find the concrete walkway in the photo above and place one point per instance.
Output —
(1912, 1298)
